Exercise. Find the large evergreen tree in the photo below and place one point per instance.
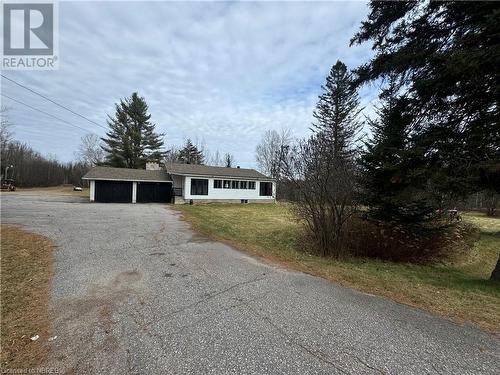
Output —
(446, 56)
(190, 154)
(131, 140)
(321, 169)
(395, 173)
(337, 111)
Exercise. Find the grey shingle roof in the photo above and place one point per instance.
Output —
(109, 173)
(205, 170)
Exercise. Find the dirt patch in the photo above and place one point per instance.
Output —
(55, 190)
(93, 319)
(126, 278)
(26, 275)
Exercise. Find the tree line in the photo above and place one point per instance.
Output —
(28, 168)
(435, 139)
(130, 142)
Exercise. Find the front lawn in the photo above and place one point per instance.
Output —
(26, 274)
(460, 290)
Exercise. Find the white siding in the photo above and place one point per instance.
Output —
(226, 193)
(134, 192)
(92, 190)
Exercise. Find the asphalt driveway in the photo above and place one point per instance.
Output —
(136, 291)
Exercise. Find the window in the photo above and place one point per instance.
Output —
(227, 184)
(199, 186)
(251, 185)
(234, 184)
(243, 184)
(217, 184)
(266, 189)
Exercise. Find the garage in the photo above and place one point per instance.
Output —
(127, 185)
(154, 192)
(113, 191)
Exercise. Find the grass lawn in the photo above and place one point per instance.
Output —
(459, 289)
(26, 273)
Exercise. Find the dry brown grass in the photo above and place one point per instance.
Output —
(60, 190)
(26, 274)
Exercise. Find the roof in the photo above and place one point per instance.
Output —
(205, 170)
(126, 174)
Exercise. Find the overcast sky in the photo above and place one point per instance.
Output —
(220, 73)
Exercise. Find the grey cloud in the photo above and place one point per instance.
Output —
(222, 72)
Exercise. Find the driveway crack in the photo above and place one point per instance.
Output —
(315, 353)
(318, 355)
(213, 295)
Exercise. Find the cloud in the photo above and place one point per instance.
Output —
(220, 72)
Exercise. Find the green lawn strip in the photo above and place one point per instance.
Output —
(459, 289)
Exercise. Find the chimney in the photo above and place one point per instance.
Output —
(152, 166)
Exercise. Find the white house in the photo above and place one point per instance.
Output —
(202, 183)
(180, 183)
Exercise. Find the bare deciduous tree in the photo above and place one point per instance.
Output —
(216, 159)
(90, 151)
(5, 126)
(30, 168)
(171, 155)
(325, 190)
(322, 169)
(270, 151)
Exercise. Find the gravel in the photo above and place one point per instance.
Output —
(136, 291)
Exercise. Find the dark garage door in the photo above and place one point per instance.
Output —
(157, 192)
(113, 191)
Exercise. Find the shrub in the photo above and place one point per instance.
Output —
(362, 237)
(376, 239)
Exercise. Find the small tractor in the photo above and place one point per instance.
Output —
(8, 185)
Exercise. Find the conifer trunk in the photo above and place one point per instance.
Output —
(495, 275)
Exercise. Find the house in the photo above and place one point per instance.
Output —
(202, 183)
(180, 183)
(125, 185)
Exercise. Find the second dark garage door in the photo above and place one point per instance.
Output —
(113, 191)
(157, 192)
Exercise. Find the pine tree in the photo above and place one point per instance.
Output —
(395, 172)
(228, 160)
(321, 169)
(190, 154)
(131, 140)
(495, 275)
(446, 56)
(337, 111)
